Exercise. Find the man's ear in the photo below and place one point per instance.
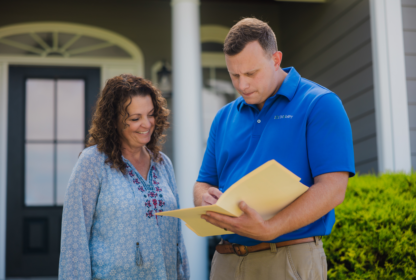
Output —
(277, 59)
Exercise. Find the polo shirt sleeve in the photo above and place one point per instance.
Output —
(329, 137)
(208, 172)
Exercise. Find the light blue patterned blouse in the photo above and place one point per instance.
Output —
(109, 230)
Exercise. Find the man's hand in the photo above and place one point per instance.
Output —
(205, 194)
(249, 224)
(211, 196)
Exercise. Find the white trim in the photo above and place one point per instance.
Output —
(213, 33)
(187, 119)
(80, 29)
(390, 93)
(3, 164)
(213, 59)
(109, 68)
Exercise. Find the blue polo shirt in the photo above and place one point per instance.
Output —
(303, 126)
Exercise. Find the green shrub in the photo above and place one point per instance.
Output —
(374, 235)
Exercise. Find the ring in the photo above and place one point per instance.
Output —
(225, 229)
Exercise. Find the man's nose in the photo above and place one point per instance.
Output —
(243, 83)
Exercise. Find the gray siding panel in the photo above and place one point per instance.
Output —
(413, 140)
(335, 51)
(411, 91)
(412, 116)
(365, 151)
(323, 60)
(363, 128)
(356, 84)
(362, 104)
(333, 32)
(346, 67)
(317, 17)
(409, 40)
(409, 2)
(409, 18)
(410, 66)
(369, 167)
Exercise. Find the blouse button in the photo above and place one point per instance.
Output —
(258, 121)
(137, 243)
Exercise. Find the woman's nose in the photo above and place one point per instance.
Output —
(146, 123)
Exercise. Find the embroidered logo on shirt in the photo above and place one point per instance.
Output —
(283, 117)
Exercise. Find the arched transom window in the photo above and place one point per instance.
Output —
(67, 40)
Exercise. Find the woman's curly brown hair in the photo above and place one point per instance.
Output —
(111, 106)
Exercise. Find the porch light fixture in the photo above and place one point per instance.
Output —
(164, 81)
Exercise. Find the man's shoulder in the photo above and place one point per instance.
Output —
(310, 92)
(312, 88)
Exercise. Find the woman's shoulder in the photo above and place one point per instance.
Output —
(92, 154)
(165, 160)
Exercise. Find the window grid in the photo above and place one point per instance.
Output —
(55, 143)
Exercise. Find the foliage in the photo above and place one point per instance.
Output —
(374, 236)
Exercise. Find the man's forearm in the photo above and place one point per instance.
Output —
(321, 198)
(199, 190)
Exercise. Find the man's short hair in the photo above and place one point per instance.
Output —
(249, 30)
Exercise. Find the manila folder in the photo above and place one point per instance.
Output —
(267, 189)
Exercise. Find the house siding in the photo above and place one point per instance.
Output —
(331, 45)
(409, 38)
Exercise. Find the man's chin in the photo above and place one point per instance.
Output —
(250, 100)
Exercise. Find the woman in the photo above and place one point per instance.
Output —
(109, 227)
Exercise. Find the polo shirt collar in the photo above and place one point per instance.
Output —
(287, 88)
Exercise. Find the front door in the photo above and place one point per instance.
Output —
(50, 109)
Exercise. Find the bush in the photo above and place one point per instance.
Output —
(374, 235)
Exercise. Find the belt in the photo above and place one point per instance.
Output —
(242, 250)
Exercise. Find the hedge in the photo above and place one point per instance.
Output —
(374, 234)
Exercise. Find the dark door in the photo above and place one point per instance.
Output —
(49, 114)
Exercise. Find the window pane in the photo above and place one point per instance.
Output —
(67, 156)
(39, 109)
(39, 175)
(70, 100)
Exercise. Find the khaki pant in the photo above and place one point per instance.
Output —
(306, 261)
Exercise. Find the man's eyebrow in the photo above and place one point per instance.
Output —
(248, 72)
(252, 71)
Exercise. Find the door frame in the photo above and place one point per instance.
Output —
(20, 260)
(109, 68)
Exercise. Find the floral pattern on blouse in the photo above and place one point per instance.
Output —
(109, 230)
(151, 191)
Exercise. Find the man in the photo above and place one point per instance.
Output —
(301, 125)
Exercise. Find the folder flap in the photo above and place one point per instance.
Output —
(268, 189)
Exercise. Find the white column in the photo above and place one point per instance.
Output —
(187, 120)
(390, 93)
(3, 164)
